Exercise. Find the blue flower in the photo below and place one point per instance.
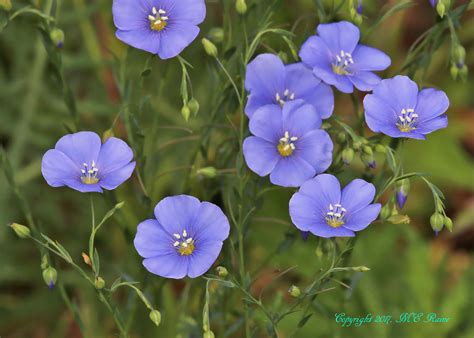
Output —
(185, 239)
(338, 59)
(321, 208)
(397, 109)
(269, 81)
(163, 27)
(81, 162)
(287, 144)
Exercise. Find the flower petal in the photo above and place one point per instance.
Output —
(203, 257)
(364, 81)
(152, 240)
(175, 38)
(291, 171)
(144, 39)
(322, 99)
(256, 101)
(260, 155)
(305, 211)
(210, 223)
(315, 148)
(130, 15)
(399, 92)
(432, 125)
(188, 11)
(177, 213)
(369, 59)
(77, 184)
(169, 266)
(326, 231)
(324, 188)
(299, 118)
(56, 167)
(114, 154)
(357, 195)
(339, 36)
(266, 123)
(265, 75)
(314, 51)
(362, 218)
(81, 147)
(113, 179)
(431, 103)
(300, 79)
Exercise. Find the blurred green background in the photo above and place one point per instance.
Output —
(411, 269)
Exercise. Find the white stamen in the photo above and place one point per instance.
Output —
(177, 236)
(176, 243)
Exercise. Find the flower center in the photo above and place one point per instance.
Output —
(89, 173)
(184, 244)
(287, 96)
(286, 146)
(335, 215)
(407, 120)
(341, 63)
(157, 19)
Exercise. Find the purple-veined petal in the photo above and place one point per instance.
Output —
(77, 184)
(315, 148)
(177, 213)
(210, 224)
(81, 147)
(201, 260)
(152, 240)
(429, 126)
(326, 231)
(324, 188)
(256, 101)
(266, 123)
(130, 14)
(369, 59)
(306, 211)
(300, 79)
(113, 179)
(399, 92)
(171, 265)
(174, 39)
(185, 11)
(431, 103)
(357, 195)
(322, 99)
(339, 36)
(364, 81)
(314, 51)
(144, 39)
(265, 76)
(343, 84)
(114, 154)
(260, 155)
(362, 218)
(56, 167)
(300, 118)
(291, 171)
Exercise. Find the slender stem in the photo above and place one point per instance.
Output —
(92, 237)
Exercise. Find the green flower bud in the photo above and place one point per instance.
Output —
(463, 72)
(193, 105)
(347, 156)
(441, 9)
(368, 160)
(356, 145)
(294, 291)
(358, 19)
(209, 172)
(241, 6)
(448, 223)
(437, 221)
(6, 5)
(361, 268)
(222, 271)
(107, 134)
(155, 317)
(186, 112)
(367, 150)
(209, 47)
(50, 276)
(459, 54)
(99, 283)
(454, 70)
(380, 148)
(216, 34)
(341, 137)
(22, 231)
(386, 211)
(399, 219)
(208, 334)
(326, 126)
(57, 36)
(319, 252)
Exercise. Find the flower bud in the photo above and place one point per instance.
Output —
(459, 54)
(99, 283)
(399, 219)
(361, 268)
(448, 223)
(357, 144)
(222, 271)
(209, 47)
(463, 72)
(57, 36)
(358, 20)
(216, 34)
(440, 8)
(22, 231)
(107, 134)
(50, 276)
(193, 105)
(386, 211)
(294, 291)
(6, 5)
(437, 221)
(402, 192)
(347, 156)
(241, 6)
(367, 150)
(368, 160)
(186, 112)
(341, 137)
(359, 7)
(208, 334)
(209, 172)
(454, 70)
(380, 148)
(155, 317)
(86, 259)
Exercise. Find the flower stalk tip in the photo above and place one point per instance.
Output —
(209, 47)
(155, 317)
(22, 231)
(50, 276)
(241, 7)
(222, 271)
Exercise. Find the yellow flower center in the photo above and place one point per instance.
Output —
(341, 63)
(335, 215)
(158, 19)
(89, 173)
(184, 243)
(406, 120)
(286, 146)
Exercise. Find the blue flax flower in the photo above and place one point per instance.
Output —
(321, 208)
(185, 239)
(288, 143)
(397, 109)
(81, 162)
(163, 27)
(338, 59)
(269, 81)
